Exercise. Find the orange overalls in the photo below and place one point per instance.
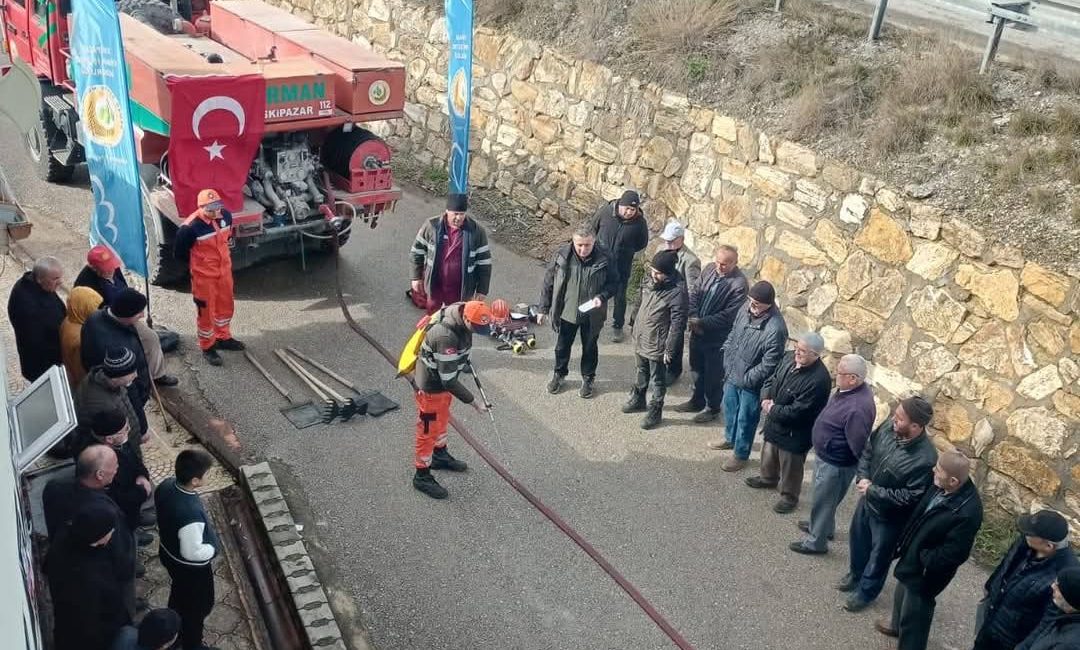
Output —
(443, 355)
(210, 262)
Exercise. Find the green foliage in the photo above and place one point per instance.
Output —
(995, 537)
(697, 66)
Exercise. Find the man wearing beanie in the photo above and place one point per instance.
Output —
(205, 244)
(658, 330)
(751, 354)
(114, 327)
(158, 630)
(1060, 625)
(105, 389)
(1019, 590)
(444, 355)
(893, 473)
(621, 229)
(451, 258)
(87, 598)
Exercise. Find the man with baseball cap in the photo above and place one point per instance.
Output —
(205, 242)
(1018, 590)
(621, 228)
(1060, 626)
(688, 265)
(444, 355)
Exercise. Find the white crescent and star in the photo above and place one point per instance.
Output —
(217, 103)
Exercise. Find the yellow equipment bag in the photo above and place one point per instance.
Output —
(409, 354)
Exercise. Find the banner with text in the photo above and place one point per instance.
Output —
(98, 69)
(459, 27)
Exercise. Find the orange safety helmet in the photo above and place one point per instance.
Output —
(500, 309)
(477, 312)
(208, 197)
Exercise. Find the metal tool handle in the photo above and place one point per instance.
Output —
(483, 393)
(315, 364)
(318, 382)
(289, 363)
(265, 373)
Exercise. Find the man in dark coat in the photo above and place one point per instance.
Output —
(158, 630)
(894, 471)
(131, 486)
(579, 282)
(451, 258)
(115, 328)
(715, 300)
(936, 541)
(87, 598)
(105, 389)
(791, 400)
(751, 354)
(35, 312)
(1018, 592)
(658, 328)
(1059, 628)
(621, 228)
(673, 238)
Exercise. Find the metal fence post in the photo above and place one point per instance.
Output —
(879, 18)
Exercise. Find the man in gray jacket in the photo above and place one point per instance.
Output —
(658, 331)
(688, 265)
(751, 354)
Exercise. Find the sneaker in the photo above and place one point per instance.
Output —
(886, 628)
(733, 465)
(166, 380)
(617, 335)
(785, 505)
(804, 526)
(688, 407)
(759, 483)
(427, 484)
(805, 550)
(555, 385)
(586, 390)
(721, 444)
(636, 404)
(212, 357)
(652, 419)
(847, 583)
(442, 459)
(855, 603)
(232, 345)
(708, 415)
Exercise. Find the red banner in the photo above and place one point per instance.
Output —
(214, 133)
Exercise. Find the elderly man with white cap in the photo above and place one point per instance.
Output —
(791, 400)
(688, 265)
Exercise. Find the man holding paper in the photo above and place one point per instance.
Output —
(577, 286)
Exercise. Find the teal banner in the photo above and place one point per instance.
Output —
(459, 28)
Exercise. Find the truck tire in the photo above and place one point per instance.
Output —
(153, 13)
(164, 269)
(49, 169)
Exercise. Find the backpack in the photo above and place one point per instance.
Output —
(411, 352)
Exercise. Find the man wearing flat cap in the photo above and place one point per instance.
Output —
(621, 228)
(1019, 590)
(673, 238)
(1059, 628)
(451, 258)
(894, 471)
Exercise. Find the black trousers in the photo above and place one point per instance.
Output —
(912, 614)
(675, 368)
(707, 365)
(191, 596)
(653, 376)
(618, 313)
(589, 336)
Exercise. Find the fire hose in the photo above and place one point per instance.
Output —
(505, 474)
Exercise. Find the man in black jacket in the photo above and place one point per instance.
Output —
(658, 331)
(35, 312)
(894, 471)
(1018, 592)
(579, 282)
(620, 227)
(791, 400)
(131, 486)
(936, 541)
(115, 328)
(1059, 628)
(715, 300)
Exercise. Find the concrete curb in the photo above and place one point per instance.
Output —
(308, 596)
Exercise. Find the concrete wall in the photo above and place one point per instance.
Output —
(936, 305)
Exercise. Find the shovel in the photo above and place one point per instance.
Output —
(372, 402)
(328, 409)
(345, 407)
(301, 414)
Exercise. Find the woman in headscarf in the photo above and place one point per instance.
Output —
(82, 301)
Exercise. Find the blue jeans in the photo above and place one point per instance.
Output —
(742, 410)
(871, 541)
(831, 485)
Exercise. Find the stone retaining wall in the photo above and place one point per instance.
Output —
(935, 304)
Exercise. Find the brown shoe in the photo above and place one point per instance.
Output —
(733, 465)
(882, 625)
(720, 444)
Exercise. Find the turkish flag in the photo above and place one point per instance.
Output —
(214, 134)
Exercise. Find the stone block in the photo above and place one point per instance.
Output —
(605, 152)
(1025, 468)
(932, 260)
(702, 219)
(725, 127)
(821, 299)
(378, 10)
(924, 220)
(996, 348)
(890, 201)
(1046, 340)
(892, 348)
(860, 322)
(963, 237)
(982, 436)
(796, 159)
(793, 215)
(1040, 384)
(550, 102)
(772, 182)
(551, 69)
(892, 381)
(854, 274)
(746, 143)
(523, 91)
(766, 149)
(1070, 373)
(800, 249)
(1039, 307)
(544, 128)
(1039, 428)
(997, 291)
(773, 271)
(744, 239)
(883, 293)
(1074, 338)
(810, 194)
(591, 82)
(831, 239)
(735, 210)
(672, 196)
(953, 421)
(884, 238)
(508, 136)
(735, 172)
(935, 364)
(853, 209)
(935, 312)
(523, 196)
(700, 142)
(698, 175)
(520, 55)
(1046, 284)
(798, 323)
(1010, 256)
(1067, 405)
(837, 341)
(844, 179)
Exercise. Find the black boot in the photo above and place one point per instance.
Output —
(586, 390)
(442, 459)
(555, 385)
(635, 404)
(426, 483)
(653, 417)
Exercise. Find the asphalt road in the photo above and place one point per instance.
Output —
(483, 569)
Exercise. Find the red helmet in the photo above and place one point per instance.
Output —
(500, 309)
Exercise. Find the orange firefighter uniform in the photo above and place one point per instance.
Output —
(205, 242)
(444, 355)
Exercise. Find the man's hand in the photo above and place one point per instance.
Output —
(667, 359)
(863, 485)
(479, 296)
(417, 286)
(695, 325)
(144, 483)
(480, 406)
(540, 319)
(766, 405)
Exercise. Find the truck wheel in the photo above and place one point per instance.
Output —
(49, 169)
(164, 269)
(153, 13)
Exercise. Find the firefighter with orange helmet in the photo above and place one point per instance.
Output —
(444, 355)
(205, 242)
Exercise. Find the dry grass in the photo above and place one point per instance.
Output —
(594, 18)
(1055, 75)
(1027, 122)
(1067, 121)
(899, 128)
(829, 22)
(495, 13)
(678, 28)
(1044, 200)
(945, 78)
(968, 132)
(1019, 167)
(1076, 214)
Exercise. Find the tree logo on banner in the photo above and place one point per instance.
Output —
(101, 115)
